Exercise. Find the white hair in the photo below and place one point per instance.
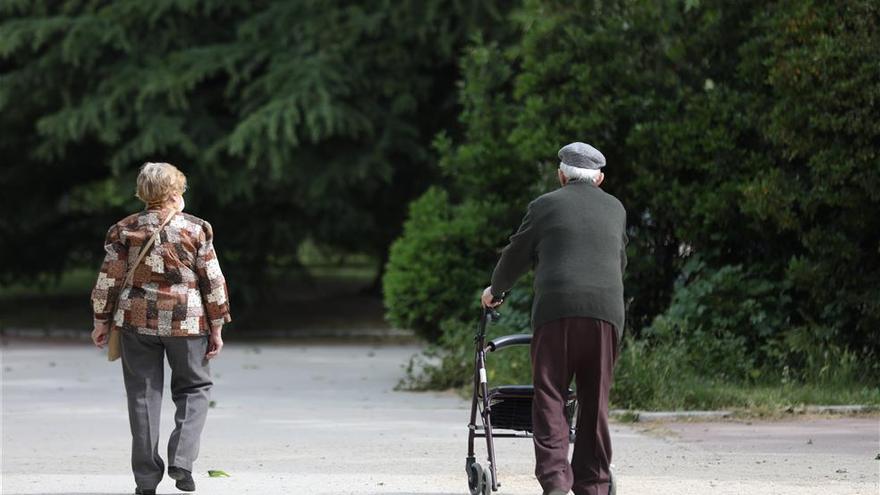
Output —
(577, 173)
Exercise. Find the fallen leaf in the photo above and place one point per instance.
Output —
(216, 473)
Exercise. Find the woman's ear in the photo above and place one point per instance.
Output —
(562, 178)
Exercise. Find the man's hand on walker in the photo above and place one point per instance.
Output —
(215, 342)
(487, 298)
(101, 333)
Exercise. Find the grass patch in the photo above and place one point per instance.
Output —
(660, 379)
(70, 283)
(363, 273)
(653, 379)
(627, 417)
(760, 399)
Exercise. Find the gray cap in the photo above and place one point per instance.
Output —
(581, 155)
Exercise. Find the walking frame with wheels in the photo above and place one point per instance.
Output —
(507, 408)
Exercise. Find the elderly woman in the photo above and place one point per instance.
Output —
(161, 287)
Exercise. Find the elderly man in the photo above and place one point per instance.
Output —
(575, 239)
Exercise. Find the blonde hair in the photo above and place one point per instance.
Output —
(157, 182)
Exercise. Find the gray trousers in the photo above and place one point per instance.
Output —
(143, 367)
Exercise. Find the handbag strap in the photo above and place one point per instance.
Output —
(146, 247)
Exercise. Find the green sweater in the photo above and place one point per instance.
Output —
(575, 238)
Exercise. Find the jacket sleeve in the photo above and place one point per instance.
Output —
(212, 284)
(111, 276)
(517, 257)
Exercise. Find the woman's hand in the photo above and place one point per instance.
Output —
(101, 334)
(215, 342)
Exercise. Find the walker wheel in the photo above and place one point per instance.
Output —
(487, 482)
(475, 479)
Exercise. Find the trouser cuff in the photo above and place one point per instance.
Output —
(147, 483)
(182, 464)
(597, 489)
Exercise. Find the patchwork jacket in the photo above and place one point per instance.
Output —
(178, 289)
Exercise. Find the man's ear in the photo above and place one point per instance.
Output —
(563, 180)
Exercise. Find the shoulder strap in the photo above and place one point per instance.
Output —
(146, 247)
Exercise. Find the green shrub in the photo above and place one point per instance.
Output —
(733, 325)
(761, 163)
(443, 257)
(723, 321)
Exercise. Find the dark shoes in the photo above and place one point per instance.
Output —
(184, 479)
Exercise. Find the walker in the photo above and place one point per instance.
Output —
(507, 408)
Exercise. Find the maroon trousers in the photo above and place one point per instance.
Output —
(584, 349)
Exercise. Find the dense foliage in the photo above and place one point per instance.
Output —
(740, 136)
(293, 119)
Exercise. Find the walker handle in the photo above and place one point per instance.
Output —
(493, 313)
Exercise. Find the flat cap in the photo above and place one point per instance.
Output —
(581, 155)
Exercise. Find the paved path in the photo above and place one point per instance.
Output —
(324, 419)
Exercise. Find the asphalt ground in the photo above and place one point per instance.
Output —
(324, 418)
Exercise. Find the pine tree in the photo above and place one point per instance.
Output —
(293, 119)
